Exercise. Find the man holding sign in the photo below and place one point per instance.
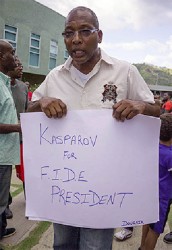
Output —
(90, 79)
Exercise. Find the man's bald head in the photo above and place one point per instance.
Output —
(7, 59)
(84, 9)
(4, 45)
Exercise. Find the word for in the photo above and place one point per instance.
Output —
(69, 155)
(91, 198)
(64, 174)
(131, 223)
(66, 139)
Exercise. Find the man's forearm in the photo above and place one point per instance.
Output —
(152, 109)
(34, 107)
(9, 128)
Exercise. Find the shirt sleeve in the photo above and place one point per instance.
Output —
(137, 88)
(40, 91)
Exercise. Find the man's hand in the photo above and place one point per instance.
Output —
(53, 107)
(127, 109)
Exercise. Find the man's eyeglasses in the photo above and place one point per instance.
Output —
(82, 33)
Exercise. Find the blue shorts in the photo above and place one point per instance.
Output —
(164, 208)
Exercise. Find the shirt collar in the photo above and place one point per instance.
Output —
(104, 57)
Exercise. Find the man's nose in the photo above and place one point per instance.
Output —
(77, 37)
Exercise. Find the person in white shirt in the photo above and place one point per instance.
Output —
(90, 79)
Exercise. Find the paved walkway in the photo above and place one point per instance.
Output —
(24, 227)
(131, 244)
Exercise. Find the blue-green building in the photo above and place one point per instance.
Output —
(35, 31)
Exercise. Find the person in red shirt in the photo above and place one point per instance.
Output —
(167, 103)
(29, 92)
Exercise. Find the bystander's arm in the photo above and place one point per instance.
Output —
(9, 128)
(34, 107)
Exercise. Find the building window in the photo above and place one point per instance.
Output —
(34, 50)
(66, 54)
(10, 34)
(53, 54)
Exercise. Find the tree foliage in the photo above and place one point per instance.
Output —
(154, 75)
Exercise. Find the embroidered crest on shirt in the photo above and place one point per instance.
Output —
(109, 92)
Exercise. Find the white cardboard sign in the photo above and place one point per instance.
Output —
(89, 170)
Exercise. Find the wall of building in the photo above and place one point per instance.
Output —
(29, 17)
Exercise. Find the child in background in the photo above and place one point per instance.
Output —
(151, 232)
(29, 91)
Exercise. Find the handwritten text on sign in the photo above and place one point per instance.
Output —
(92, 173)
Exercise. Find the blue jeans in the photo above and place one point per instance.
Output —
(5, 180)
(75, 238)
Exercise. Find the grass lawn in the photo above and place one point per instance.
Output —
(32, 239)
(35, 235)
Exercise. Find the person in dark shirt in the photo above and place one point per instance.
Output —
(151, 232)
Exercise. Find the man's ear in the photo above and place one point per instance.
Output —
(100, 35)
